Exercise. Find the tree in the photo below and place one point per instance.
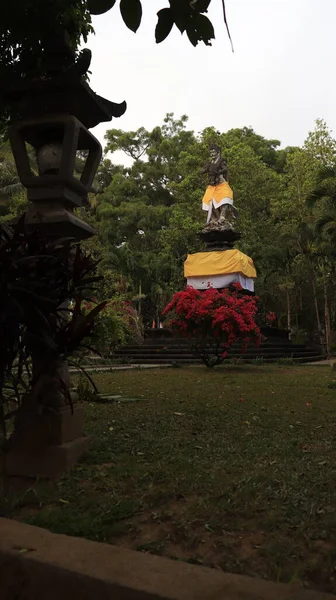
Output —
(149, 216)
(27, 26)
(136, 209)
(151, 212)
(320, 145)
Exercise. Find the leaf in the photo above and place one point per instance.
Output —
(98, 7)
(24, 550)
(164, 24)
(202, 5)
(200, 28)
(181, 21)
(131, 12)
(80, 368)
(192, 36)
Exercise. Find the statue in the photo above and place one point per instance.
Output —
(218, 198)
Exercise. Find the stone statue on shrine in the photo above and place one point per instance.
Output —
(218, 197)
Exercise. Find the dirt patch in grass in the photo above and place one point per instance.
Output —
(233, 468)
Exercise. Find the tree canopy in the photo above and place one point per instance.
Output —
(148, 215)
(26, 26)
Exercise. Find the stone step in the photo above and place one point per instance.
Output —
(184, 344)
(166, 361)
(188, 352)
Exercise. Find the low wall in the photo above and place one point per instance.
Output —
(36, 564)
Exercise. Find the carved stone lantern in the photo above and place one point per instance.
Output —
(55, 190)
(54, 112)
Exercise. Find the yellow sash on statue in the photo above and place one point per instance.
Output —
(217, 195)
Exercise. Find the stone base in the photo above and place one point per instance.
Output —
(48, 463)
(53, 428)
(51, 219)
(219, 239)
(47, 445)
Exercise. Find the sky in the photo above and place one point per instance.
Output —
(278, 80)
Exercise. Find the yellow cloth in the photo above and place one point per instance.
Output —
(217, 193)
(219, 263)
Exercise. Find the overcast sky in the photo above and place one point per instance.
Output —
(279, 79)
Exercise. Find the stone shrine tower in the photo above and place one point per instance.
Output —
(221, 264)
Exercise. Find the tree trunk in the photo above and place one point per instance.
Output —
(327, 318)
(289, 315)
(140, 292)
(2, 426)
(318, 320)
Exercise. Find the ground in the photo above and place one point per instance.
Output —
(233, 468)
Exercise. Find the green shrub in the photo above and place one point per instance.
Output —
(117, 325)
(235, 361)
(286, 360)
(258, 360)
(84, 390)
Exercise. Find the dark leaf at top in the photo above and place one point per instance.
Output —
(131, 12)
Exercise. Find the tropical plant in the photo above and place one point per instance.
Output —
(38, 330)
(213, 321)
(117, 324)
(323, 198)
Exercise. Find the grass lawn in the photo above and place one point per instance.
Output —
(233, 468)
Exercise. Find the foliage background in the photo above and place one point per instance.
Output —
(147, 216)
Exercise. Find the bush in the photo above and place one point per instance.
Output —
(286, 361)
(38, 331)
(258, 360)
(118, 324)
(214, 321)
(236, 361)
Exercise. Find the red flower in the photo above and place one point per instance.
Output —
(227, 317)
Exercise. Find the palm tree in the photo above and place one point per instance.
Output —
(323, 200)
(279, 261)
(303, 241)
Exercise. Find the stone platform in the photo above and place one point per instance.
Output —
(38, 565)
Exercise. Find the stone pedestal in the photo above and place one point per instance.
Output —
(220, 265)
(48, 445)
(220, 239)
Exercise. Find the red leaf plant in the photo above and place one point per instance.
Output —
(270, 318)
(213, 321)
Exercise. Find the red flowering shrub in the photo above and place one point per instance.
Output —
(214, 321)
(270, 318)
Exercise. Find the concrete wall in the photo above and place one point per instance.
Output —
(36, 564)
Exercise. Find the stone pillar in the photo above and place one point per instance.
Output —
(54, 114)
